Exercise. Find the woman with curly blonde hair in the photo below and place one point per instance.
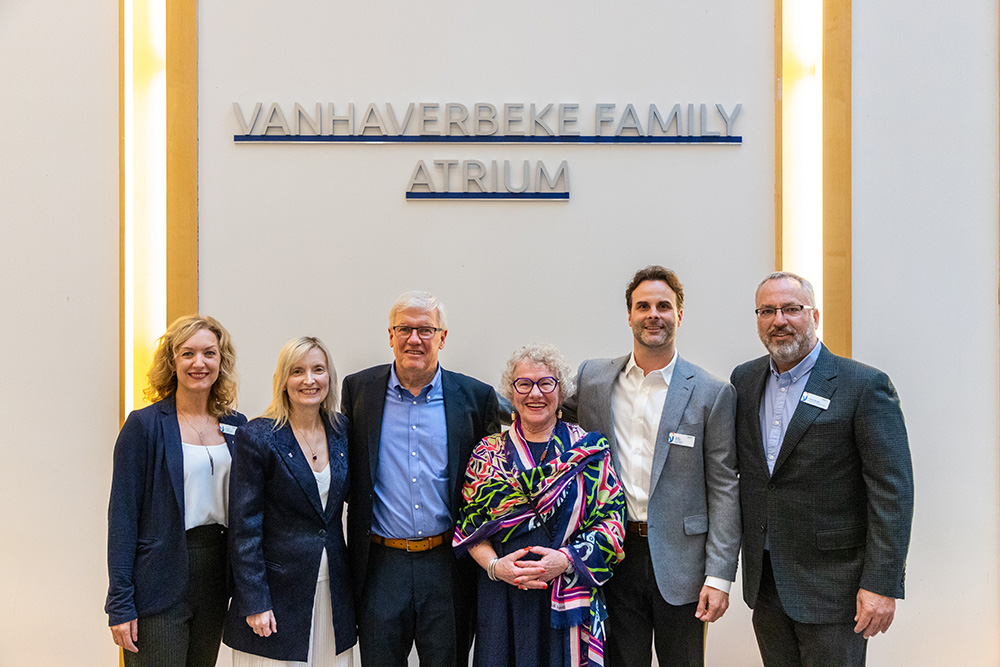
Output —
(168, 512)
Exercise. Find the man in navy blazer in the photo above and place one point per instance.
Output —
(670, 425)
(826, 487)
(413, 426)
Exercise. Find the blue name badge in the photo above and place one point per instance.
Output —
(818, 401)
(228, 429)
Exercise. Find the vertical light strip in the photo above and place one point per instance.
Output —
(802, 140)
(837, 208)
(143, 154)
(182, 158)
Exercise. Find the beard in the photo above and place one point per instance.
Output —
(790, 351)
(657, 339)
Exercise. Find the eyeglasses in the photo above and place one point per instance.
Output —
(789, 311)
(425, 333)
(525, 385)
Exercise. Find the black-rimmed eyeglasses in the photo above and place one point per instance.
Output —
(545, 385)
(425, 333)
(789, 311)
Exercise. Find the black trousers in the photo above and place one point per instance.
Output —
(188, 633)
(784, 642)
(639, 617)
(426, 598)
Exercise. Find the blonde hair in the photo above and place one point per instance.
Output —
(162, 375)
(280, 408)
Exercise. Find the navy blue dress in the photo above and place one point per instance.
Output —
(514, 627)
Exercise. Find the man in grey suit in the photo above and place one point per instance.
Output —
(826, 487)
(671, 430)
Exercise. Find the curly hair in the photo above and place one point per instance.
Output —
(541, 354)
(280, 408)
(162, 375)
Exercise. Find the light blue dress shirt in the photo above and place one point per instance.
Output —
(781, 395)
(411, 483)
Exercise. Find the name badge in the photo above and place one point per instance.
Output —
(813, 399)
(681, 439)
(228, 429)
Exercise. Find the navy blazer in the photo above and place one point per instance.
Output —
(470, 409)
(838, 507)
(278, 530)
(147, 546)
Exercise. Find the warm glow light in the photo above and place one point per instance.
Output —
(145, 189)
(802, 140)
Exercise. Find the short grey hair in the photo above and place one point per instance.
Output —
(788, 275)
(541, 354)
(418, 300)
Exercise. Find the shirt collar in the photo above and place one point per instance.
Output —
(800, 368)
(667, 371)
(430, 392)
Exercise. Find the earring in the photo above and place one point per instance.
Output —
(513, 416)
(559, 413)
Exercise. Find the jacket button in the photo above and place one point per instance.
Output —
(771, 487)
(322, 532)
(763, 529)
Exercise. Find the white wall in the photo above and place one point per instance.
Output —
(59, 271)
(318, 239)
(925, 303)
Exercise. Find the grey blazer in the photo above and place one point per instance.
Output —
(838, 506)
(694, 511)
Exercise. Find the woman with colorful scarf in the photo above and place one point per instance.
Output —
(543, 517)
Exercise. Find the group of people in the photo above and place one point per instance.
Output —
(606, 521)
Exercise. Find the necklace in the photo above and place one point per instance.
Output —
(201, 440)
(308, 444)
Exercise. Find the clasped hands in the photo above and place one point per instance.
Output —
(531, 574)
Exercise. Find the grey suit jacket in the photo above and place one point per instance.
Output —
(694, 513)
(838, 506)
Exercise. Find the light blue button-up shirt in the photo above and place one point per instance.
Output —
(411, 483)
(781, 395)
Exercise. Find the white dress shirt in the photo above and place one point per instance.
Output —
(637, 405)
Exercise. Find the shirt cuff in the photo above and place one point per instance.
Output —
(720, 584)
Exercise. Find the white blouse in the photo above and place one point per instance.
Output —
(206, 485)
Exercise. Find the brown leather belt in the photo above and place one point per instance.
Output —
(640, 528)
(425, 544)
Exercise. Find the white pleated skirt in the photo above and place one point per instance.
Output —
(322, 644)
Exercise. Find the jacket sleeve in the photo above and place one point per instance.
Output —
(251, 594)
(722, 546)
(127, 488)
(880, 434)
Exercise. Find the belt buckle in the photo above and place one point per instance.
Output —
(415, 549)
(643, 529)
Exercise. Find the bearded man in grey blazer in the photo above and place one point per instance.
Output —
(826, 486)
(671, 429)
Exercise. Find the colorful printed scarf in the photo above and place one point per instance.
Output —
(506, 494)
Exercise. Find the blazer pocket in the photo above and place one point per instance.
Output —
(696, 525)
(841, 538)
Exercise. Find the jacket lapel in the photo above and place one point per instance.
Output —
(678, 394)
(173, 450)
(822, 382)
(455, 413)
(291, 455)
(375, 400)
(751, 413)
(605, 417)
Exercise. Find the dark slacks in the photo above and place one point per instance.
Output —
(424, 598)
(639, 617)
(784, 642)
(188, 633)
